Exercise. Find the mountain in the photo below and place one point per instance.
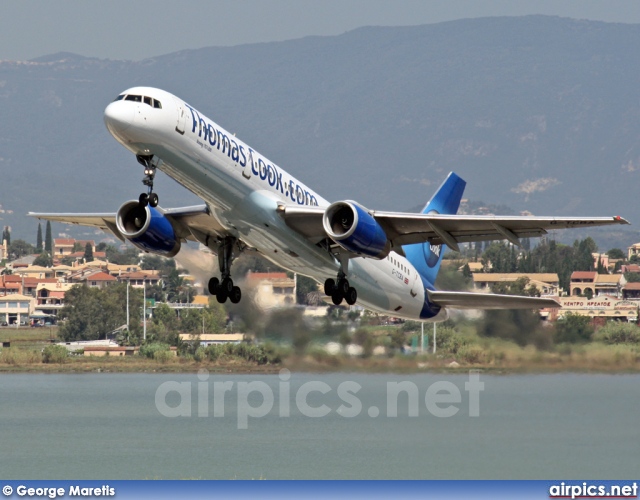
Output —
(537, 113)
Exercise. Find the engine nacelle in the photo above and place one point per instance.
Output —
(354, 229)
(147, 229)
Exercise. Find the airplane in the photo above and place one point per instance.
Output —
(384, 261)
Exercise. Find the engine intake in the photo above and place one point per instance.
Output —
(355, 229)
(147, 228)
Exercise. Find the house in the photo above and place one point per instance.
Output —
(118, 269)
(50, 297)
(138, 279)
(16, 308)
(582, 282)
(594, 284)
(93, 278)
(34, 272)
(546, 283)
(633, 250)
(631, 291)
(64, 247)
(100, 351)
(206, 339)
(474, 267)
(273, 289)
(25, 285)
(600, 309)
(608, 284)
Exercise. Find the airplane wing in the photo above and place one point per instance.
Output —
(192, 223)
(470, 300)
(408, 228)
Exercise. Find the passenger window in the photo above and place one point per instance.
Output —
(119, 98)
(135, 98)
(147, 100)
(156, 104)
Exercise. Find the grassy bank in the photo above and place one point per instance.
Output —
(460, 353)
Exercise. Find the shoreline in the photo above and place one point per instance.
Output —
(307, 364)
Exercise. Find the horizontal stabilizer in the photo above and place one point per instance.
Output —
(469, 300)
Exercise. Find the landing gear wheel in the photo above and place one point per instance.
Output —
(227, 285)
(221, 295)
(235, 295)
(153, 199)
(329, 286)
(144, 199)
(214, 285)
(351, 296)
(336, 298)
(343, 286)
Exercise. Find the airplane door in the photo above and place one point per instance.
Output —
(182, 118)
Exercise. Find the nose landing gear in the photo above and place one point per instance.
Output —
(149, 198)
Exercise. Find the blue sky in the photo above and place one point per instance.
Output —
(138, 29)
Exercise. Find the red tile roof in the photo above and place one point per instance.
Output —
(100, 276)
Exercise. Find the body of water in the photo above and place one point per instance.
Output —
(115, 426)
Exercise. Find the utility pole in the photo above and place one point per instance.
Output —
(434, 337)
(144, 310)
(128, 282)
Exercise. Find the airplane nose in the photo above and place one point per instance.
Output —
(118, 117)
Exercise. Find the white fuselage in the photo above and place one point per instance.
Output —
(243, 190)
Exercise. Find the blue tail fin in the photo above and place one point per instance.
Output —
(425, 257)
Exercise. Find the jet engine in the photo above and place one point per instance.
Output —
(355, 229)
(147, 228)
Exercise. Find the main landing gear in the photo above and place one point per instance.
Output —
(149, 198)
(225, 289)
(340, 290)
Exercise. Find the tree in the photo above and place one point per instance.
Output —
(91, 313)
(48, 240)
(20, 248)
(129, 256)
(573, 328)
(616, 253)
(632, 277)
(176, 288)
(518, 287)
(88, 253)
(157, 263)
(39, 239)
(304, 286)
(44, 260)
(6, 235)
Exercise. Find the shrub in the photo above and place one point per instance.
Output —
(573, 328)
(55, 354)
(15, 356)
(200, 354)
(615, 332)
(149, 350)
(471, 354)
(448, 340)
(162, 356)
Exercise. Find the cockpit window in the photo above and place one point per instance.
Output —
(154, 103)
